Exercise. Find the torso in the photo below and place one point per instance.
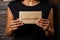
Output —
(29, 31)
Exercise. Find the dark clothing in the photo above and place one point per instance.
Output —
(29, 31)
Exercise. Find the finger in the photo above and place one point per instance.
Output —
(17, 20)
(39, 21)
(21, 22)
(14, 28)
(42, 19)
(46, 20)
(17, 23)
(13, 21)
(45, 24)
(39, 24)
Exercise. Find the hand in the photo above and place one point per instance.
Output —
(15, 24)
(44, 23)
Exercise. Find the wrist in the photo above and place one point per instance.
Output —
(46, 29)
(11, 29)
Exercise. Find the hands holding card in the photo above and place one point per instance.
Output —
(44, 23)
(30, 17)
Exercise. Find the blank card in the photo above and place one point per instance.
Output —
(30, 17)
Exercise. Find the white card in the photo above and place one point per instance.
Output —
(30, 17)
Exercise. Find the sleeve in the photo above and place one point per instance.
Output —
(46, 10)
(11, 6)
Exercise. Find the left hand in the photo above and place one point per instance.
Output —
(44, 23)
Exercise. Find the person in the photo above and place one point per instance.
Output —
(38, 31)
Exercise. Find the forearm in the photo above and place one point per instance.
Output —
(8, 32)
(49, 32)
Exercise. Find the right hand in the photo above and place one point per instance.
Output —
(15, 24)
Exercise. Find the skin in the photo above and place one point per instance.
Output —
(14, 24)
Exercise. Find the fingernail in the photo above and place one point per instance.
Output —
(22, 24)
(39, 19)
(17, 20)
